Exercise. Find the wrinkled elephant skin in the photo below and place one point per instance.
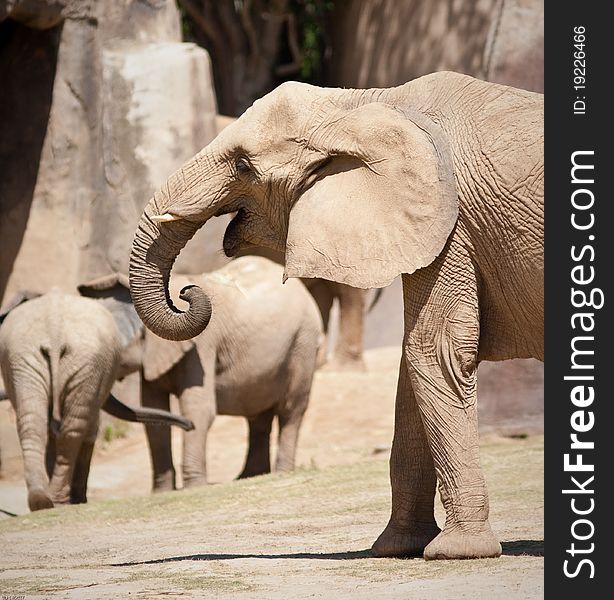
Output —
(439, 180)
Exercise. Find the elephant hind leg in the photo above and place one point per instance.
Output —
(50, 453)
(78, 487)
(31, 407)
(68, 445)
(84, 392)
(258, 459)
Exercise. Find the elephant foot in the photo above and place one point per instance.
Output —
(78, 496)
(396, 541)
(356, 365)
(164, 482)
(457, 542)
(253, 473)
(193, 482)
(39, 500)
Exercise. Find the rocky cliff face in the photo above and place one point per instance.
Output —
(382, 43)
(101, 102)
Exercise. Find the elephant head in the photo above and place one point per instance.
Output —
(113, 291)
(153, 355)
(349, 187)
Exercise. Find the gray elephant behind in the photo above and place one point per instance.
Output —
(59, 356)
(256, 359)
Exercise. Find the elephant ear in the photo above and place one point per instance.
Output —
(384, 202)
(160, 355)
(113, 291)
(114, 284)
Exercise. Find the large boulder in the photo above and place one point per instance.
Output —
(382, 43)
(115, 103)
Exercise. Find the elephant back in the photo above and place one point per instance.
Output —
(79, 332)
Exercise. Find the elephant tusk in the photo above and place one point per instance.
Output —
(165, 218)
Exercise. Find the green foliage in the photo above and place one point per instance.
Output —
(115, 431)
(311, 18)
(187, 31)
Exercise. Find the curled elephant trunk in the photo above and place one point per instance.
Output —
(154, 250)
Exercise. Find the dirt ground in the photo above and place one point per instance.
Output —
(299, 535)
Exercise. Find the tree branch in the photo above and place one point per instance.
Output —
(250, 32)
(198, 18)
(297, 57)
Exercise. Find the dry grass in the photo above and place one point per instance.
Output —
(296, 535)
(302, 535)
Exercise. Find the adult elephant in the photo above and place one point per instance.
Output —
(439, 180)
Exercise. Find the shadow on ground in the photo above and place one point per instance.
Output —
(300, 555)
(523, 547)
(515, 548)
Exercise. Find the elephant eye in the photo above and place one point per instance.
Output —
(242, 166)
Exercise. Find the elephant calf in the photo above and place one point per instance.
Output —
(255, 359)
(60, 355)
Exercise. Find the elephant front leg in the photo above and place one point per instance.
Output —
(321, 291)
(158, 438)
(412, 474)
(198, 407)
(441, 354)
(289, 427)
(194, 377)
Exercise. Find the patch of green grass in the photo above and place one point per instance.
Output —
(162, 578)
(115, 431)
(374, 570)
(210, 583)
(257, 493)
(27, 585)
(42, 585)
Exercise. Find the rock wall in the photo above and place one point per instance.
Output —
(514, 53)
(103, 102)
(382, 43)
